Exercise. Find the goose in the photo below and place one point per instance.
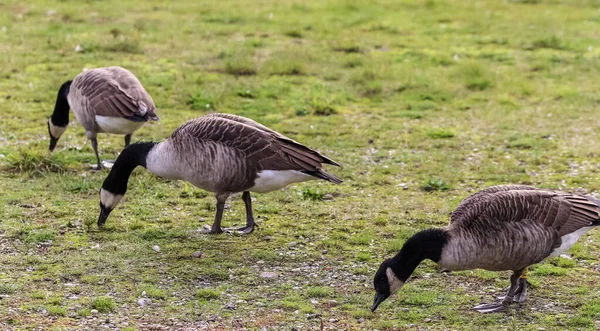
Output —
(109, 99)
(506, 227)
(223, 154)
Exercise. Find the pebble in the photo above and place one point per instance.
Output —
(360, 320)
(312, 316)
(331, 303)
(94, 311)
(427, 320)
(144, 301)
(230, 306)
(268, 275)
(197, 254)
(328, 197)
(156, 248)
(292, 243)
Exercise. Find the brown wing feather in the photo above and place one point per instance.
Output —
(472, 204)
(260, 147)
(115, 92)
(289, 143)
(562, 211)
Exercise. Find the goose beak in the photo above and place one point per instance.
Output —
(104, 212)
(379, 298)
(53, 142)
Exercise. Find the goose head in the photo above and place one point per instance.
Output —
(393, 273)
(55, 132)
(108, 202)
(57, 123)
(386, 283)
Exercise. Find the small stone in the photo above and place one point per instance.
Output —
(197, 254)
(156, 248)
(328, 197)
(427, 320)
(360, 320)
(541, 329)
(268, 275)
(331, 303)
(312, 316)
(94, 311)
(230, 306)
(78, 48)
(292, 243)
(144, 301)
(405, 310)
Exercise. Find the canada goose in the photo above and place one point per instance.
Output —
(221, 153)
(508, 227)
(110, 100)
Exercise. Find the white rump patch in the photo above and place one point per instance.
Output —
(117, 125)
(109, 200)
(271, 180)
(568, 241)
(56, 131)
(393, 281)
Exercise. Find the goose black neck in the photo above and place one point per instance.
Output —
(427, 244)
(132, 156)
(60, 116)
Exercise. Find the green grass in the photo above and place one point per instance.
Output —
(103, 304)
(422, 102)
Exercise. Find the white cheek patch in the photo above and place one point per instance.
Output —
(109, 200)
(395, 283)
(56, 131)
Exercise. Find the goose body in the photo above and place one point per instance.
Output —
(224, 154)
(507, 227)
(103, 100)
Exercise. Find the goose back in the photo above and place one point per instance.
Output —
(562, 211)
(111, 92)
(228, 154)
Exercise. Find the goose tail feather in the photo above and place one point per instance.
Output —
(319, 173)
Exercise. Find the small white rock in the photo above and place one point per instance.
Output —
(144, 301)
(94, 311)
(156, 248)
(268, 275)
(78, 48)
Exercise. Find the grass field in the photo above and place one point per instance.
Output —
(422, 101)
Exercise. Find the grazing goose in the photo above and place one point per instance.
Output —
(507, 227)
(221, 153)
(110, 100)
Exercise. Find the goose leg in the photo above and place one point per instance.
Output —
(95, 147)
(127, 140)
(216, 227)
(501, 305)
(249, 216)
(521, 293)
